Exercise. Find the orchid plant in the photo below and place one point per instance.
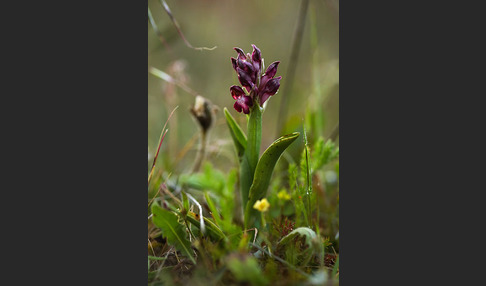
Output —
(251, 98)
(200, 231)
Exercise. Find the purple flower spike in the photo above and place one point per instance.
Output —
(243, 102)
(249, 70)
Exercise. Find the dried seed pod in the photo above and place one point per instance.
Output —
(203, 110)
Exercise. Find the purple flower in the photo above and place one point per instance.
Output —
(243, 102)
(259, 86)
(269, 89)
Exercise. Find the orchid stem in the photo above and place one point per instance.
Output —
(252, 152)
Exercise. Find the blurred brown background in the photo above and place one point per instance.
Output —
(270, 25)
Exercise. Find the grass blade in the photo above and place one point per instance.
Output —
(212, 208)
(211, 228)
(201, 220)
(162, 135)
(156, 29)
(166, 77)
(167, 9)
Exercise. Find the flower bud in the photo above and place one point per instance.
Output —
(270, 89)
(256, 56)
(246, 66)
(203, 112)
(245, 79)
(241, 53)
(272, 69)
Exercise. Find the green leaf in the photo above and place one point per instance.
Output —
(306, 232)
(246, 269)
(263, 174)
(227, 200)
(174, 232)
(246, 178)
(211, 179)
(239, 138)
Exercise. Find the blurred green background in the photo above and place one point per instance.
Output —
(271, 26)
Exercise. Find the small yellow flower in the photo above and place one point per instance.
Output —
(262, 205)
(283, 195)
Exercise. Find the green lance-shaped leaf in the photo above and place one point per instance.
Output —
(239, 138)
(263, 174)
(306, 232)
(172, 230)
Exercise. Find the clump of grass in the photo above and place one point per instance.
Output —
(290, 246)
